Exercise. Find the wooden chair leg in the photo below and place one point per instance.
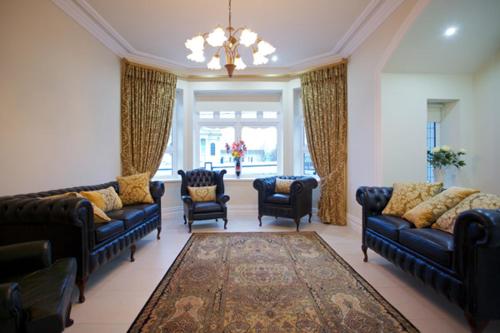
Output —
(310, 216)
(185, 221)
(158, 234)
(189, 224)
(225, 223)
(81, 287)
(297, 222)
(132, 252)
(260, 220)
(476, 326)
(69, 321)
(364, 248)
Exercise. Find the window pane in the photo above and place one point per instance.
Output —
(270, 114)
(227, 115)
(206, 115)
(262, 155)
(165, 169)
(432, 141)
(213, 147)
(308, 165)
(249, 114)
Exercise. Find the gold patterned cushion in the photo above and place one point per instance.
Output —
(406, 196)
(283, 185)
(106, 199)
(202, 193)
(99, 215)
(426, 213)
(478, 200)
(135, 189)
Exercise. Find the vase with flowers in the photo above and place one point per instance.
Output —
(237, 150)
(443, 159)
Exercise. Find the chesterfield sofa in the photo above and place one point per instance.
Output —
(68, 223)
(35, 293)
(463, 266)
(294, 205)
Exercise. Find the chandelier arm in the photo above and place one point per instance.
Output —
(230, 24)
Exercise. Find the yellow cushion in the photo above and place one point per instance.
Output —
(202, 193)
(283, 185)
(426, 213)
(406, 196)
(478, 200)
(99, 215)
(135, 189)
(106, 199)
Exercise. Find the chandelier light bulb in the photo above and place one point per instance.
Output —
(196, 44)
(214, 64)
(259, 59)
(248, 37)
(197, 56)
(265, 48)
(239, 63)
(217, 37)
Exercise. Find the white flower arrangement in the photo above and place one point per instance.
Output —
(440, 157)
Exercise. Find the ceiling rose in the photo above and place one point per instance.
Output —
(228, 41)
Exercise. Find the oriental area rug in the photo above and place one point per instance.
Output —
(265, 282)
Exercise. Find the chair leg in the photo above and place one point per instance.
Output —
(364, 248)
(297, 222)
(190, 222)
(216, 220)
(185, 221)
(476, 326)
(69, 321)
(132, 252)
(81, 287)
(310, 216)
(260, 220)
(225, 223)
(158, 234)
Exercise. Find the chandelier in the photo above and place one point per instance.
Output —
(229, 44)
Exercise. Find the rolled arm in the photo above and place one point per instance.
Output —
(303, 183)
(157, 190)
(11, 310)
(222, 198)
(265, 185)
(20, 258)
(373, 199)
(187, 199)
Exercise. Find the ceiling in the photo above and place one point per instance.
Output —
(424, 48)
(306, 33)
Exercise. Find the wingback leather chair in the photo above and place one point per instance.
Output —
(294, 205)
(194, 211)
(35, 293)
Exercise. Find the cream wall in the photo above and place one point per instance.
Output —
(487, 89)
(59, 101)
(404, 119)
(363, 103)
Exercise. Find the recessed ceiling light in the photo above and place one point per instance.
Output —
(274, 58)
(450, 31)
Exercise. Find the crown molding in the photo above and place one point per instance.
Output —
(374, 14)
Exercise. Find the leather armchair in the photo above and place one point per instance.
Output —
(295, 205)
(35, 294)
(194, 211)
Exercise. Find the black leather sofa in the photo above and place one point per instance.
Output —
(69, 225)
(196, 211)
(35, 293)
(463, 266)
(294, 205)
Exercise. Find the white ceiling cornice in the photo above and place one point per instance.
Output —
(374, 14)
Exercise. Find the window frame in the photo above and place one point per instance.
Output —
(238, 123)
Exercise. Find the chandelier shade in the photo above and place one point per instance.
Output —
(228, 41)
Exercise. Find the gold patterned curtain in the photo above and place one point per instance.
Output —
(324, 98)
(147, 101)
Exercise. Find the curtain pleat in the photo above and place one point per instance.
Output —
(324, 98)
(147, 102)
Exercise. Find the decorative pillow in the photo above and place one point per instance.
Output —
(135, 189)
(430, 210)
(406, 196)
(106, 199)
(202, 193)
(479, 200)
(283, 185)
(99, 215)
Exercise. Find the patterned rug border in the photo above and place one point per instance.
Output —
(153, 299)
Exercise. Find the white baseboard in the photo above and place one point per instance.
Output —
(232, 209)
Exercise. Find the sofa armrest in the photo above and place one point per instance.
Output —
(477, 259)
(222, 198)
(187, 199)
(23, 258)
(303, 183)
(265, 185)
(157, 190)
(373, 199)
(11, 310)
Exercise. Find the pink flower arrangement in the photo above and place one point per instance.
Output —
(237, 149)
